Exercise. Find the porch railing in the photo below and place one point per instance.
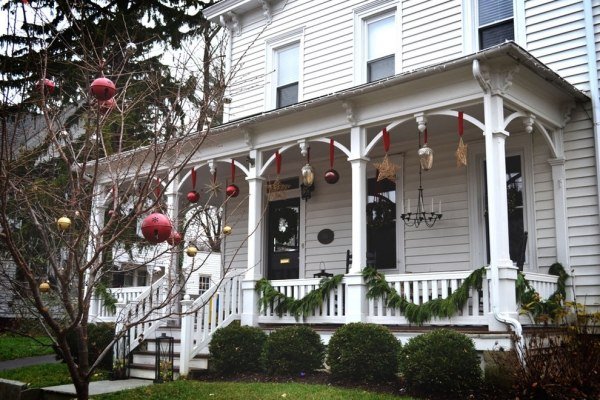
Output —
(216, 308)
(544, 284)
(424, 287)
(333, 309)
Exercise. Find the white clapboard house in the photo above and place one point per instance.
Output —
(368, 88)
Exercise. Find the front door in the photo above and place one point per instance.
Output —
(284, 239)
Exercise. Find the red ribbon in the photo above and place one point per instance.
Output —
(461, 124)
(308, 155)
(215, 176)
(278, 161)
(232, 170)
(425, 134)
(193, 178)
(386, 140)
(331, 153)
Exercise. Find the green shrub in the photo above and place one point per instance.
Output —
(292, 350)
(365, 352)
(99, 336)
(236, 349)
(442, 363)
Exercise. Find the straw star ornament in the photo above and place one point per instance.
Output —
(387, 169)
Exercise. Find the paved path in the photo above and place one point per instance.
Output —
(25, 362)
(99, 387)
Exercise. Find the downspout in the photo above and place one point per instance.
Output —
(588, 12)
(495, 278)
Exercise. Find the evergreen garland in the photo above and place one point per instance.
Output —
(421, 313)
(297, 307)
(531, 303)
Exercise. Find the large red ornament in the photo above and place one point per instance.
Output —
(175, 238)
(232, 190)
(46, 85)
(156, 228)
(103, 89)
(331, 176)
(193, 196)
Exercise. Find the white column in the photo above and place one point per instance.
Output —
(255, 241)
(356, 303)
(503, 273)
(94, 241)
(187, 323)
(173, 213)
(560, 210)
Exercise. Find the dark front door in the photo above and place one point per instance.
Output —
(284, 239)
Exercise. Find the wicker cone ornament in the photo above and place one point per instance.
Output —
(461, 154)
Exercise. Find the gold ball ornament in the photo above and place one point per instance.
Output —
(227, 230)
(63, 223)
(191, 250)
(44, 287)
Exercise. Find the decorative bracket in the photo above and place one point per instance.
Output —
(248, 137)
(349, 107)
(421, 119)
(495, 81)
(231, 21)
(212, 167)
(304, 146)
(267, 10)
(567, 109)
(528, 123)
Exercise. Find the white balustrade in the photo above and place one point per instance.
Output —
(544, 284)
(331, 311)
(122, 295)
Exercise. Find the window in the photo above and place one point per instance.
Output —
(288, 72)
(380, 47)
(381, 223)
(496, 22)
(204, 283)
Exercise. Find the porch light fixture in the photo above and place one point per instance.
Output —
(163, 371)
(421, 215)
(308, 178)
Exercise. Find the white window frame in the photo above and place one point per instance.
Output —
(470, 17)
(397, 159)
(272, 46)
(362, 16)
(200, 278)
(518, 144)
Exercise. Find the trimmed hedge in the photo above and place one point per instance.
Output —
(236, 348)
(365, 352)
(99, 336)
(442, 363)
(292, 350)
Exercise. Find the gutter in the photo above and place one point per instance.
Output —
(588, 12)
(502, 317)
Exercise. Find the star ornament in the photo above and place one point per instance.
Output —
(275, 190)
(214, 188)
(387, 169)
(461, 154)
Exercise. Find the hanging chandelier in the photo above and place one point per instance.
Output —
(421, 216)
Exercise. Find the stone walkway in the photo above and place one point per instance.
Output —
(26, 362)
(96, 388)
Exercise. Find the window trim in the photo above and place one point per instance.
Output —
(362, 16)
(516, 144)
(470, 17)
(272, 46)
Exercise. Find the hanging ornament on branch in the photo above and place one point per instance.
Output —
(193, 196)
(461, 151)
(426, 154)
(331, 175)
(275, 190)
(386, 168)
(214, 187)
(232, 189)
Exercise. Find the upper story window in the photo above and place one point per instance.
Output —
(288, 74)
(496, 22)
(380, 47)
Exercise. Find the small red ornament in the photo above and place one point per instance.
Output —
(331, 176)
(232, 190)
(107, 105)
(103, 89)
(175, 238)
(193, 196)
(46, 85)
(156, 228)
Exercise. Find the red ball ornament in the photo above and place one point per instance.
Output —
(107, 105)
(175, 238)
(156, 228)
(103, 89)
(46, 85)
(332, 176)
(232, 190)
(193, 196)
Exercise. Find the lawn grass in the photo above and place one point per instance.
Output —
(44, 375)
(180, 390)
(13, 347)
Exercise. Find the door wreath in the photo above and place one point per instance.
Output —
(284, 224)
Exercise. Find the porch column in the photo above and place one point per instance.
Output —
(356, 304)
(503, 273)
(94, 241)
(255, 218)
(173, 213)
(560, 200)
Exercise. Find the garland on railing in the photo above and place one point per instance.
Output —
(378, 287)
(297, 307)
(531, 302)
